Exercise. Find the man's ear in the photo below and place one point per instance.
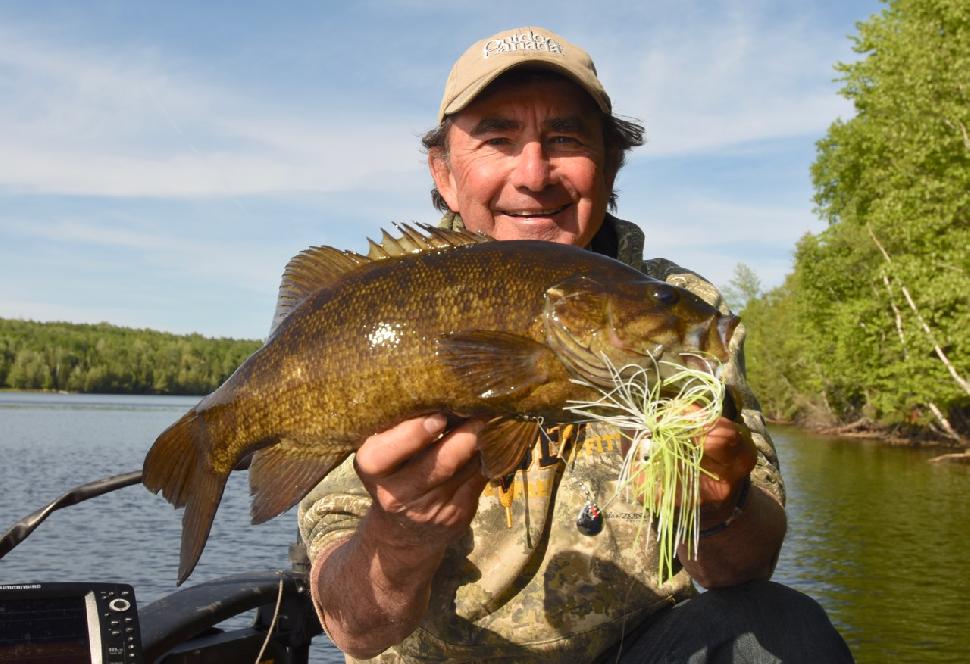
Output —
(612, 169)
(444, 181)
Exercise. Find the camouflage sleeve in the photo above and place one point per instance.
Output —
(767, 473)
(332, 509)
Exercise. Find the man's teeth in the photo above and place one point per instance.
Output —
(534, 213)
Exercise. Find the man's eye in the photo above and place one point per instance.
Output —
(564, 140)
(497, 140)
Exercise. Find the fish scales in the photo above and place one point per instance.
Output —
(486, 329)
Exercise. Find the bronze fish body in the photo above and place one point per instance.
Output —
(455, 323)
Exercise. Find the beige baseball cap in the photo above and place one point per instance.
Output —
(489, 58)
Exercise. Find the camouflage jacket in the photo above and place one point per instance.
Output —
(541, 591)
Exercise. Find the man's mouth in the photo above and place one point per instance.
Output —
(544, 212)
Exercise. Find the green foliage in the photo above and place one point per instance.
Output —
(744, 286)
(108, 359)
(898, 172)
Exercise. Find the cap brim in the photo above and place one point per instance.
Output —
(476, 88)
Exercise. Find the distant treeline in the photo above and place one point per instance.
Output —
(117, 360)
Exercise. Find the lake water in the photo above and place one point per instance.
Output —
(876, 534)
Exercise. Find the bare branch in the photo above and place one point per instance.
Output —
(960, 380)
(945, 423)
(899, 316)
(958, 124)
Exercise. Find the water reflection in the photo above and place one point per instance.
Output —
(66, 401)
(52, 442)
(878, 536)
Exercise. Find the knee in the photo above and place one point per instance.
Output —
(759, 621)
(767, 601)
(782, 618)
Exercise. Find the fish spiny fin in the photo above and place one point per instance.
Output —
(175, 468)
(503, 443)
(309, 271)
(423, 238)
(279, 476)
(499, 364)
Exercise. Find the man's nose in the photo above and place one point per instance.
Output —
(532, 168)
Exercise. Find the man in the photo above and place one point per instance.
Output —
(412, 559)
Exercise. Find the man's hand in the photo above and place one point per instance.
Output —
(373, 588)
(425, 487)
(729, 456)
(748, 548)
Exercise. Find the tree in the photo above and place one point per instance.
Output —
(744, 286)
(105, 358)
(881, 298)
(895, 181)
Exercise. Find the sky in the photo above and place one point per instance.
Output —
(160, 162)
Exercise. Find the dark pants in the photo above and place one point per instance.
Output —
(757, 623)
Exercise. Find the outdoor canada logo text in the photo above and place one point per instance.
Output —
(523, 41)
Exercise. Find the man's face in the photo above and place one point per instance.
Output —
(526, 162)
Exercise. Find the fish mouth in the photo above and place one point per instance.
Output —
(650, 354)
(725, 328)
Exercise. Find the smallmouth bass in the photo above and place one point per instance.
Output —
(433, 321)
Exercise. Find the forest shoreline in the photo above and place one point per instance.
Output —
(860, 429)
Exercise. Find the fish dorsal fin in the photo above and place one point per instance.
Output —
(308, 272)
(423, 238)
(320, 267)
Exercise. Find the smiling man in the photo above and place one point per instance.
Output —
(526, 160)
(412, 556)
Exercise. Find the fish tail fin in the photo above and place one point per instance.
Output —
(175, 467)
(197, 519)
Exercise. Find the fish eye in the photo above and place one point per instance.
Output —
(666, 295)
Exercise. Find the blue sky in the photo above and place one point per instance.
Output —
(160, 162)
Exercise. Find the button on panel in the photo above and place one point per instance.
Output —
(118, 604)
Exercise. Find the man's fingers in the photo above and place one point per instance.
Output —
(470, 484)
(383, 453)
(730, 454)
(456, 450)
(727, 444)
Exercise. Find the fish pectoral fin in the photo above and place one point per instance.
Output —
(498, 364)
(503, 442)
(280, 475)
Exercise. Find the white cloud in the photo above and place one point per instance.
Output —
(242, 262)
(84, 121)
(731, 77)
(682, 221)
(71, 231)
(81, 123)
(712, 236)
(112, 119)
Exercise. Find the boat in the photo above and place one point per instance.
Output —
(98, 623)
